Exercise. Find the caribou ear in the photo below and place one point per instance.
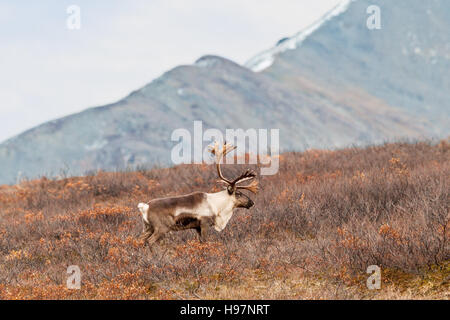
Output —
(230, 190)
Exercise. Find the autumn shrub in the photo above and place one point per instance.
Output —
(327, 213)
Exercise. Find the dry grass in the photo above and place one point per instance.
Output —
(315, 228)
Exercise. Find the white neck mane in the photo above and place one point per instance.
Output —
(222, 205)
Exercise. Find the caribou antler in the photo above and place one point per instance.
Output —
(247, 175)
(252, 187)
(221, 153)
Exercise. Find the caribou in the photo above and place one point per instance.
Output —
(198, 210)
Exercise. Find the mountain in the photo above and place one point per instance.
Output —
(406, 63)
(335, 84)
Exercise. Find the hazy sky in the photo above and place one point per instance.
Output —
(48, 71)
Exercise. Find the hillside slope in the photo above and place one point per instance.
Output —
(314, 230)
(406, 63)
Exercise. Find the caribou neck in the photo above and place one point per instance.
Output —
(222, 204)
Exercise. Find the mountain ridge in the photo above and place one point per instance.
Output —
(320, 95)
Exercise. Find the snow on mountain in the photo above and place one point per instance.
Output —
(265, 59)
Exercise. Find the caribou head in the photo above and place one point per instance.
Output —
(233, 186)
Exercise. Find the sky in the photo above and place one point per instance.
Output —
(48, 70)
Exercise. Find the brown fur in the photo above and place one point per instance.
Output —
(162, 219)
